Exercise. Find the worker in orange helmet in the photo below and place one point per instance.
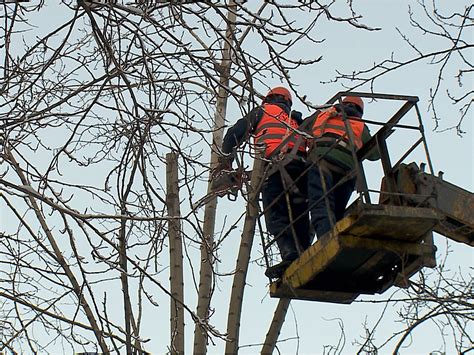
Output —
(273, 125)
(332, 159)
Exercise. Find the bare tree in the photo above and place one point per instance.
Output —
(176, 256)
(207, 245)
(94, 94)
(441, 297)
(90, 107)
(273, 333)
(452, 33)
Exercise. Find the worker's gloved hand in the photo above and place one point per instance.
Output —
(224, 162)
(297, 116)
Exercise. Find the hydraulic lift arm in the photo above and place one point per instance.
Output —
(454, 204)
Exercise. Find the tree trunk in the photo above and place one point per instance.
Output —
(127, 307)
(176, 256)
(237, 295)
(205, 274)
(275, 327)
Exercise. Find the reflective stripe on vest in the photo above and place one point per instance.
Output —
(274, 126)
(330, 121)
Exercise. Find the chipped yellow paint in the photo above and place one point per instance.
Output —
(379, 228)
(313, 261)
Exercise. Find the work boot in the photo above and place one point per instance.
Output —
(276, 271)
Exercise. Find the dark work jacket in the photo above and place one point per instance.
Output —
(246, 126)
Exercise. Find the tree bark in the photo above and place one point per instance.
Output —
(205, 274)
(275, 327)
(127, 307)
(176, 256)
(237, 295)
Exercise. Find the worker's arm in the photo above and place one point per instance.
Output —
(374, 152)
(241, 130)
(235, 136)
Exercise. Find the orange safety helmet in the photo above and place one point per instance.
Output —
(354, 100)
(279, 90)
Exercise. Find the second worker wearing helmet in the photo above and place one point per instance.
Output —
(330, 181)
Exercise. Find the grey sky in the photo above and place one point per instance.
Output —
(345, 49)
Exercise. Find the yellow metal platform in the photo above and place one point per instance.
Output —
(371, 249)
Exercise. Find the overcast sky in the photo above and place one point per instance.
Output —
(345, 49)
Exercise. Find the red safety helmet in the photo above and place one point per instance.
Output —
(279, 90)
(354, 100)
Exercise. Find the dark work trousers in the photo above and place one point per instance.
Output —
(337, 199)
(277, 217)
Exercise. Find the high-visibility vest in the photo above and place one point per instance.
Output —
(331, 121)
(274, 127)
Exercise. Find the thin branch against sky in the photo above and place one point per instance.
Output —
(94, 97)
